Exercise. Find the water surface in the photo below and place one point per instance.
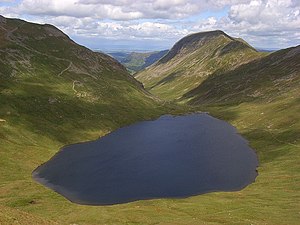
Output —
(170, 157)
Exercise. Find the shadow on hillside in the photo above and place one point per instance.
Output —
(167, 79)
(239, 84)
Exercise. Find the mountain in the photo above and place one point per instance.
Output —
(136, 61)
(55, 92)
(44, 72)
(192, 60)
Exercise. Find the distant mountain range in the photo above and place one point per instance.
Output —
(136, 61)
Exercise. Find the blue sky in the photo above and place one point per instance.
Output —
(158, 24)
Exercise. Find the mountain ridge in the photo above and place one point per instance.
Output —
(192, 59)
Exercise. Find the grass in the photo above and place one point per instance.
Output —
(272, 199)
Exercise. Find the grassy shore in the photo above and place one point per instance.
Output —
(273, 199)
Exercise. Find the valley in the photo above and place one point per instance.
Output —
(137, 61)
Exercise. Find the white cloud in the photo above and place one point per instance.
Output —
(261, 22)
(89, 27)
(270, 23)
(117, 10)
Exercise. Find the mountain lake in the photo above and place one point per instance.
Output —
(171, 157)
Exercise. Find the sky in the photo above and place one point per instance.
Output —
(136, 25)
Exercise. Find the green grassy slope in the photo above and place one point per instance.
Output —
(192, 60)
(262, 79)
(46, 76)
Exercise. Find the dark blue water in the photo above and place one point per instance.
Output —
(171, 157)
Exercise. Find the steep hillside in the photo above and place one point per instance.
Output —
(136, 61)
(192, 60)
(45, 76)
(263, 79)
